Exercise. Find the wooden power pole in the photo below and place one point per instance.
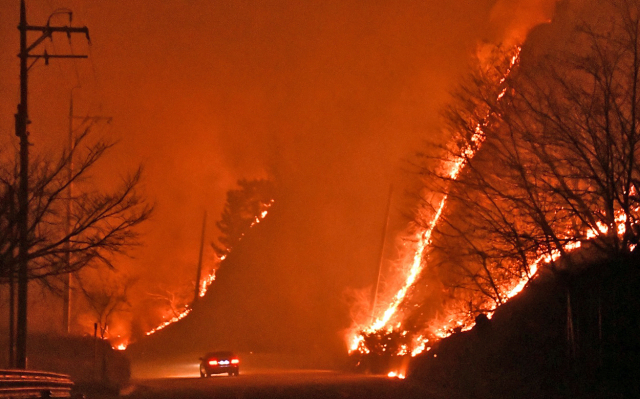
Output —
(66, 294)
(381, 257)
(199, 271)
(22, 120)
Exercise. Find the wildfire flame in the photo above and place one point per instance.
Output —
(179, 317)
(122, 346)
(453, 168)
(211, 277)
(423, 238)
(206, 282)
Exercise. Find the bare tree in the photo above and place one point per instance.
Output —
(102, 222)
(105, 295)
(558, 162)
(176, 300)
(466, 255)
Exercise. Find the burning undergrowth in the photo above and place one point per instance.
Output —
(245, 207)
(541, 161)
(406, 326)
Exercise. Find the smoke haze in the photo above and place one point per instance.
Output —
(330, 99)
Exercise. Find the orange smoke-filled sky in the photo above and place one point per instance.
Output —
(329, 97)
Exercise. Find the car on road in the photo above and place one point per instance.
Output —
(219, 363)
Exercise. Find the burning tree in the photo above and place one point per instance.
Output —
(542, 160)
(245, 207)
(407, 316)
(463, 261)
(559, 160)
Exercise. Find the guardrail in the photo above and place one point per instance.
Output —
(23, 384)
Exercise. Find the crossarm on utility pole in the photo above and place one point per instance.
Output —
(48, 30)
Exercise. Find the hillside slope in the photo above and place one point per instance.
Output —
(537, 346)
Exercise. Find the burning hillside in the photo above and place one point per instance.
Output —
(542, 160)
(245, 208)
(390, 321)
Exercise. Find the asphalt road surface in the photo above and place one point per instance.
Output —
(276, 384)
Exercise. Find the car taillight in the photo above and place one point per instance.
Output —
(213, 362)
(235, 361)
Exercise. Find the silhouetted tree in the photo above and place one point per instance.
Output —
(105, 294)
(245, 206)
(175, 300)
(102, 222)
(472, 265)
(558, 160)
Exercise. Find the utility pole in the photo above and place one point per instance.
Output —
(66, 289)
(199, 272)
(12, 277)
(66, 295)
(22, 120)
(381, 257)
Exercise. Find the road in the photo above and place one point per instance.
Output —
(276, 384)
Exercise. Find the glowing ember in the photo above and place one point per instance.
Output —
(419, 346)
(206, 282)
(394, 374)
(263, 213)
(120, 347)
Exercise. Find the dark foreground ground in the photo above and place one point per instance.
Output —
(273, 384)
(572, 333)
